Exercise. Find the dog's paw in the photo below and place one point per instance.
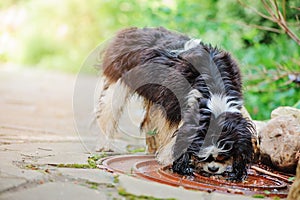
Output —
(183, 171)
(233, 177)
(188, 171)
(182, 165)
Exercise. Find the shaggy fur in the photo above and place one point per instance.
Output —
(192, 95)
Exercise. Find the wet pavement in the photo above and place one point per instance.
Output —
(43, 156)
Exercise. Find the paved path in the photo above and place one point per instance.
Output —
(37, 129)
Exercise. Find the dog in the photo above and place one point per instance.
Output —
(192, 96)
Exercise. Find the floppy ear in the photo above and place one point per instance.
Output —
(243, 149)
(239, 167)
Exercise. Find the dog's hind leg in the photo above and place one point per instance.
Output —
(159, 133)
(149, 130)
(112, 100)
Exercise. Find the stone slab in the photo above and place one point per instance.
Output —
(7, 182)
(55, 191)
(10, 174)
(142, 187)
(92, 175)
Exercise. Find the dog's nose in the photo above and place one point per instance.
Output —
(213, 169)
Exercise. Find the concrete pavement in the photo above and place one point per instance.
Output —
(37, 129)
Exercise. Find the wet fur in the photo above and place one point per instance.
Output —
(192, 94)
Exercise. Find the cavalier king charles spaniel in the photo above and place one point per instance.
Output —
(192, 97)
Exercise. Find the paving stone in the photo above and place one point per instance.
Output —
(92, 175)
(10, 174)
(46, 147)
(55, 191)
(7, 182)
(45, 153)
(141, 187)
(26, 95)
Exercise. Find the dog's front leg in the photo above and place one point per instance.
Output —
(182, 165)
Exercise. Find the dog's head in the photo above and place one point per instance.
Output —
(226, 145)
(220, 144)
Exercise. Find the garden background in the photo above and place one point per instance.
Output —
(59, 34)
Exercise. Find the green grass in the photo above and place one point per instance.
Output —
(93, 159)
(73, 165)
(129, 196)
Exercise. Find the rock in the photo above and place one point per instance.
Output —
(259, 125)
(280, 140)
(286, 111)
(294, 193)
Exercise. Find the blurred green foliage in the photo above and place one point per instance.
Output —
(60, 34)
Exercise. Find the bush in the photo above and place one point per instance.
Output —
(60, 34)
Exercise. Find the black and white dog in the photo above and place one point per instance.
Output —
(192, 95)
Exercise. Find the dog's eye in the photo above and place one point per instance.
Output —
(221, 158)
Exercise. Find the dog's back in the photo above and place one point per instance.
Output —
(129, 47)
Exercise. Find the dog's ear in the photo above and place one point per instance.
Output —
(239, 167)
(243, 149)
